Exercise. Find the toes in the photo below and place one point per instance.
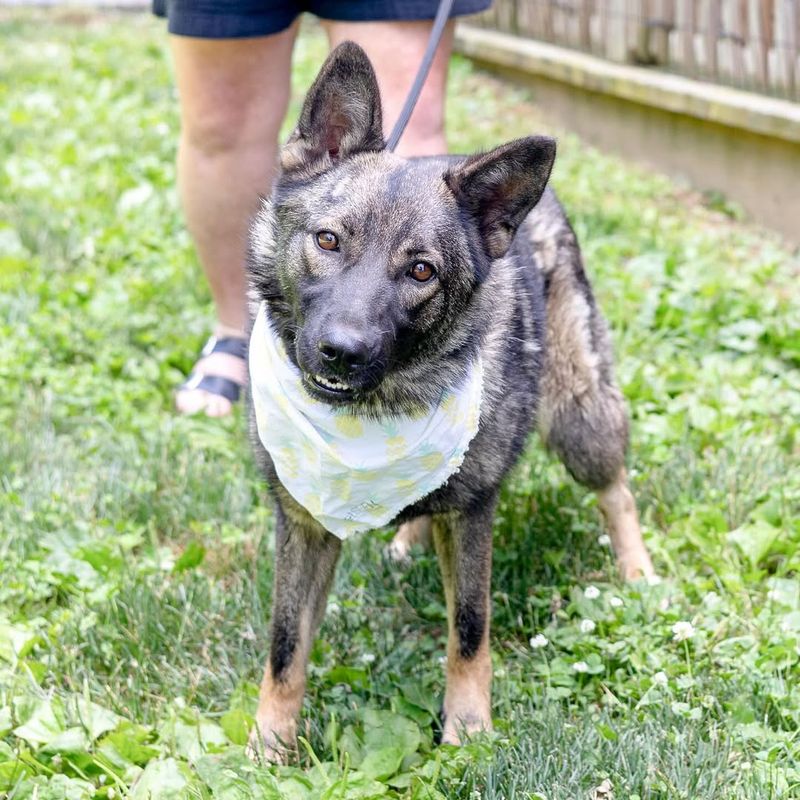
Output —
(193, 401)
(190, 401)
(217, 406)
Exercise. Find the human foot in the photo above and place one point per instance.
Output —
(217, 379)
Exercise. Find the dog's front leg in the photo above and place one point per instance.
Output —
(463, 543)
(305, 561)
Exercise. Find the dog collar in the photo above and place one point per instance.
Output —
(353, 473)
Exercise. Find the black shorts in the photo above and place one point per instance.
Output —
(233, 19)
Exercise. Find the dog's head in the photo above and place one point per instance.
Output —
(371, 263)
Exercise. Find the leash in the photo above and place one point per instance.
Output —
(442, 15)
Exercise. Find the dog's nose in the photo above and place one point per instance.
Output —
(344, 352)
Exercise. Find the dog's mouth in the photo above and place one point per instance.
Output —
(330, 387)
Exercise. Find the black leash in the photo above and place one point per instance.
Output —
(442, 15)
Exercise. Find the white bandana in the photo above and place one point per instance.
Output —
(353, 473)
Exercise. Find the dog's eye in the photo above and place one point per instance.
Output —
(422, 271)
(327, 240)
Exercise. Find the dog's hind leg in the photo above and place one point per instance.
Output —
(415, 531)
(619, 509)
(464, 546)
(305, 561)
(589, 434)
(582, 415)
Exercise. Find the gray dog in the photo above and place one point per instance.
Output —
(397, 299)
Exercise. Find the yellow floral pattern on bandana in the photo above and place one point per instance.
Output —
(354, 473)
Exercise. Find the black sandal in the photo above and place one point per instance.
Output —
(216, 384)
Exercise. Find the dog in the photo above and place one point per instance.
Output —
(381, 285)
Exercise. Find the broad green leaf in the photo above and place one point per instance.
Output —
(742, 335)
(162, 780)
(44, 724)
(15, 641)
(231, 775)
(191, 737)
(191, 557)
(352, 676)
(607, 732)
(297, 787)
(237, 724)
(354, 786)
(244, 697)
(12, 772)
(791, 622)
(383, 729)
(703, 417)
(95, 719)
(130, 742)
(350, 743)
(785, 591)
(754, 540)
(225, 783)
(421, 697)
(72, 740)
(102, 556)
(57, 787)
(383, 763)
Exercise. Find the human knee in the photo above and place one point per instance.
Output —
(213, 134)
(228, 127)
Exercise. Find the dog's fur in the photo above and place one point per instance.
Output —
(509, 286)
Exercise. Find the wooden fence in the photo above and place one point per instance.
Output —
(752, 44)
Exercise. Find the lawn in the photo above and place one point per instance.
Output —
(135, 545)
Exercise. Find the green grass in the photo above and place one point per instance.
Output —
(135, 553)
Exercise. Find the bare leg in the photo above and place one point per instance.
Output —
(464, 547)
(395, 49)
(305, 561)
(233, 96)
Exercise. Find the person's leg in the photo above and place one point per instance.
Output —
(233, 97)
(395, 48)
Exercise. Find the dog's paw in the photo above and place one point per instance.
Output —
(398, 552)
(270, 748)
(635, 565)
(458, 730)
(414, 532)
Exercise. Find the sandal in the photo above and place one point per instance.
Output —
(217, 384)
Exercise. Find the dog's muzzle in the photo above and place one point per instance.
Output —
(344, 363)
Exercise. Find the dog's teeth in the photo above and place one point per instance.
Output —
(331, 384)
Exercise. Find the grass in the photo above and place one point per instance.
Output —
(135, 553)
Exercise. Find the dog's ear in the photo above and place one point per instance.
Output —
(500, 187)
(341, 114)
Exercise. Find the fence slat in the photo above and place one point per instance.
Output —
(683, 55)
(712, 22)
(792, 18)
(584, 24)
(754, 44)
(731, 64)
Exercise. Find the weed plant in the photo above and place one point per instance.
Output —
(136, 547)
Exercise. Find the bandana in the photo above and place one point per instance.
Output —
(353, 473)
